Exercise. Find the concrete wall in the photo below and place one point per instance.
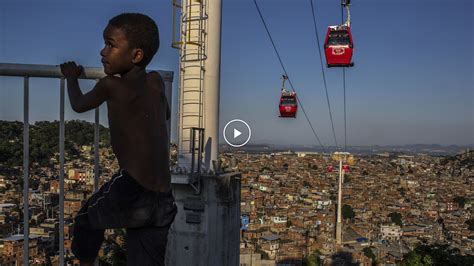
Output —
(206, 229)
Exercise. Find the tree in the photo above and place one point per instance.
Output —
(396, 218)
(401, 191)
(415, 259)
(44, 140)
(312, 259)
(370, 254)
(437, 254)
(470, 224)
(347, 212)
(461, 201)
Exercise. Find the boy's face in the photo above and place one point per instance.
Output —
(117, 56)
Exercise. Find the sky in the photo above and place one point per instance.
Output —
(411, 83)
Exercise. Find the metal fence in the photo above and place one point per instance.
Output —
(53, 71)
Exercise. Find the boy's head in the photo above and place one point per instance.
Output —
(130, 39)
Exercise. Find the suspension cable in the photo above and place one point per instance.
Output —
(344, 86)
(322, 71)
(345, 127)
(286, 73)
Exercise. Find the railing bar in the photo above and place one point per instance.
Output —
(96, 150)
(26, 168)
(53, 71)
(61, 172)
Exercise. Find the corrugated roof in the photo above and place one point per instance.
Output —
(18, 237)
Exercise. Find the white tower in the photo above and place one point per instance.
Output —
(206, 228)
(200, 48)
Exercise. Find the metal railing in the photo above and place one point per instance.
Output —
(52, 71)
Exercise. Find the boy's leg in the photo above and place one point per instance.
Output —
(104, 209)
(120, 203)
(147, 245)
(86, 241)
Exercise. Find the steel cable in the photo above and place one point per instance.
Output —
(286, 73)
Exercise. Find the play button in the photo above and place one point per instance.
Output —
(237, 133)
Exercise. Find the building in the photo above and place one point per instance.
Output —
(390, 232)
(12, 251)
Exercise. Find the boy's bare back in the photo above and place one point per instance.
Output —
(137, 111)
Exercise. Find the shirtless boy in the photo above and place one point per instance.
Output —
(139, 196)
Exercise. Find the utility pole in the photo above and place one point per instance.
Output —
(340, 156)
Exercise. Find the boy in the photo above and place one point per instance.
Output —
(139, 196)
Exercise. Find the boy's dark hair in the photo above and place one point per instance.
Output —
(141, 32)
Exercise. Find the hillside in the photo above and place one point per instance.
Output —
(44, 141)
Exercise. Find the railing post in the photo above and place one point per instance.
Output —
(96, 150)
(61, 172)
(26, 168)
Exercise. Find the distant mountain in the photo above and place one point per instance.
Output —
(432, 149)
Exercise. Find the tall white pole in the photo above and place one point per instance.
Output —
(192, 58)
(339, 207)
(212, 83)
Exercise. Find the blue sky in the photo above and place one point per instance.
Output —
(412, 80)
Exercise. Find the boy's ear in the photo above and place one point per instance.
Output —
(137, 55)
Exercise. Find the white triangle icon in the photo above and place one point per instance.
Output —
(237, 133)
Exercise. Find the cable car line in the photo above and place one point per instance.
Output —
(286, 74)
(347, 2)
(345, 128)
(322, 71)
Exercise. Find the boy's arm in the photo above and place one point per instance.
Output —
(84, 102)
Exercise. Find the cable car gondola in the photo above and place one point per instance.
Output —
(338, 45)
(330, 168)
(345, 168)
(288, 102)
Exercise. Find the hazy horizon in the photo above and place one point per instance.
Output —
(283, 145)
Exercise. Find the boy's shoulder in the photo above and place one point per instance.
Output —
(156, 80)
(155, 76)
(111, 81)
(152, 78)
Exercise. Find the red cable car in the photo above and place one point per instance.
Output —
(288, 102)
(330, 169)
(338, 46)
(345, 168)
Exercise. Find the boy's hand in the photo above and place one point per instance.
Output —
(70, 70)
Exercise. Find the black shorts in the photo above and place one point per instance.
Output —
(123, 203)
